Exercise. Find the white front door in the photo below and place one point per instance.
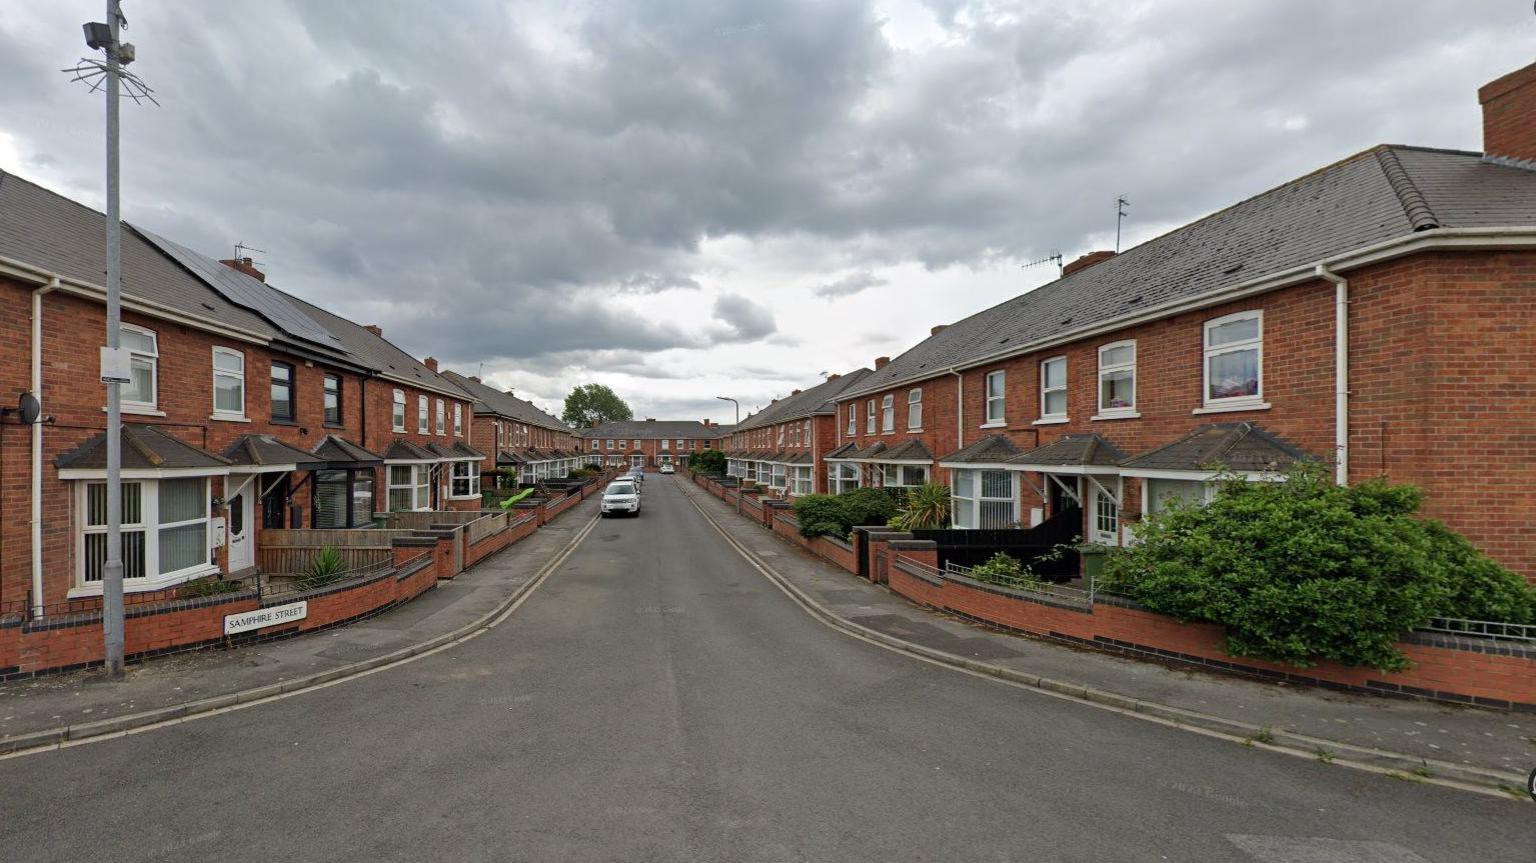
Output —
(242, 527)
(1103, 517)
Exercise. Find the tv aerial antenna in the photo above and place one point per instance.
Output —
(1120, 204)
(242, 248)
(1052, 258)
(95, 74)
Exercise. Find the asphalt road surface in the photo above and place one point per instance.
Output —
(657, 699)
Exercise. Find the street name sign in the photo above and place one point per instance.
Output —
(262, 618)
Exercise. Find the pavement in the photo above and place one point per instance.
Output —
(1501, 743)
(658, 699)
(65, 705)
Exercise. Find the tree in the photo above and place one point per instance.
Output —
(594, 404)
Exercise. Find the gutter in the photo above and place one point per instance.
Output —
(1511, 237)
(37, 448)
(1340, 372)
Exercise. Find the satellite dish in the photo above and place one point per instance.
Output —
(30, 409)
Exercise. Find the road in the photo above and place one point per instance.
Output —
(657, 699)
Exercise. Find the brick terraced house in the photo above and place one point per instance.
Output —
(650, 443)
(784, 446)
(1378, 315)
(248, 410)
(518, 436)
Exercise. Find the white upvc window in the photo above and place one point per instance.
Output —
(410, 487)
(693, 445)
(623, 443)
(888, 413)
(165, 532)
(914, 409)
(610, 443)
(997, 398)
(869, 417)
(779, 476)
(1104, 519)
(637, 443)
(398, 416)
(1234, 360)
(1157, 494)
(228, 384)
(1053, 388)
(905, 475)
(596, 445)
(143, 388)
(1117, 379)
(458, 420)
(802, 480)
(983, 499)
(779, 438)
(441, 416)
(465, 481)
(666, 445)
(853, 419)
(421, 416)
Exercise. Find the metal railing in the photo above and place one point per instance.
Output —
(1077, 595)
(1482, 629)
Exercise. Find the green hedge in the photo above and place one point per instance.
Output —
(1304, 570)
(836, 515)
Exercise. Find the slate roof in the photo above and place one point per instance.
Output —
(992, 449)
(256, 450)
(1222, 446)
(651, 429)
(1380, 194)
(509, 457)
(910, 449)
(868, 452)
(844, 451)
(489, 400)
(459, 451)
(338, 451)
(50, 231)
(1073, 450)
(144, 447)
(401, 449)
(820, 399)
(377, 352)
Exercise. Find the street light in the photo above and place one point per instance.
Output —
(733, 431)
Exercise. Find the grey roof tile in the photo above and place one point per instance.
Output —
(992, 449)
(651, 429)
(489, 400)
(143, 447)
(1079, 450)
(820, 399)
(1222, 446)
(910, 449)
(401, 449)
(255, 450)
(339, 452)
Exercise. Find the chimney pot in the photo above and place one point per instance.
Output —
(430, 362)
(881, 362)
(1509, 115)
(938, 328)
(1087, 261)
(375, 329)
(246, 266)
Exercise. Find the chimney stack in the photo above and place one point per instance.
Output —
(1086, 261)
(430, 362)
(881, 362)
(794, 392)
(1509, 116)
(650, 419)
(245, 265)
(937, 328)
(375, 329)
(834, 376)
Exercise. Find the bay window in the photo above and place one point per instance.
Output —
(228, 384)
(905, 475)
(164, 532)
(983, 499)
(1159, 493)
(410, 487)
(802, 480)
(1234, 360)
(343, 498)
(1117, 379)
(1053, 389)
(779, 476)
(144, 361)
(841, 477)
(997, 400)
(465, 480)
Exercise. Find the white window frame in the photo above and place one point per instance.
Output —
(237, 375)
(888, 413)
(420, 486)
(915, 409)
(869, 417)
(853, 419)
(597, 445)
(1103, 508)
(458, 420)
(779, 476)
(1046, 390)
(666, 444)
(999, 400)
(623, 443)
(464, 481)
(149, 359)
(398, 414)
(610, 443)
(1210, 352)
(423, 425)
(150, 527)
(967, 509)
(898, 476)
(1120, 411)
(442, 418)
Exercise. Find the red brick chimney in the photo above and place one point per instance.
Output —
(937, 328)
(1086, 261)
(474, 379)
(834, 376)
(881, 362)
(375, 329)
(1509, 115)
(794, 392)
(244, 265)
(430, 362)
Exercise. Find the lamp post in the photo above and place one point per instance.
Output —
(733, 431)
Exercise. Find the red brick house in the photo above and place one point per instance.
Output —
(248, 410)
(1378, 314)
(517, 436)
(785, 445)
(649, 443)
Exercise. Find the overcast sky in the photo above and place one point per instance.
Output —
(691, 199)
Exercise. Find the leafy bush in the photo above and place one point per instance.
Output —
(926, 508)
(1004, 570)
(210, 586)
(1303, 570)
(325, 566)
(821, 515)
(867, 506)
(710, 461)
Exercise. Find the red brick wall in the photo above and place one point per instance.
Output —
(1509, 114)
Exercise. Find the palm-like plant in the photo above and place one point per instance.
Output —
(927, 508)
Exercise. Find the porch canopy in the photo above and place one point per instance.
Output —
(147, 452)
(338, 453)
(263, 453)
(460, 451)
(842, 453)
(1087, 455)
(990, 452)
(402, 451)
(1219, 449)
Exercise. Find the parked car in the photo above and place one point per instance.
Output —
(621, 496)
(667, 468)
(636, 476)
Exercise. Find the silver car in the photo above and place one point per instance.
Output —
(621, 496)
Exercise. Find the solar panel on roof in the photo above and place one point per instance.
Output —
(247, 292)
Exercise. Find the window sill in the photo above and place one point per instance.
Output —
(228, 418)
(1051, 421)
(996, 425)
(280, 421)
(138, 411)
(1122, 415)
(145, 585)
(1232, 408)
(332, 425)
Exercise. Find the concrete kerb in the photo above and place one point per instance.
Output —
(55, 738)
(1394, 764)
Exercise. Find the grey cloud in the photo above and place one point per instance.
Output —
(849, 285)
(744, 319)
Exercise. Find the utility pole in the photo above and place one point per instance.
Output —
(1120, 204)
(116, 366)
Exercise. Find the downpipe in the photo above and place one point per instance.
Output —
(37, 448)
(1340, 372)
